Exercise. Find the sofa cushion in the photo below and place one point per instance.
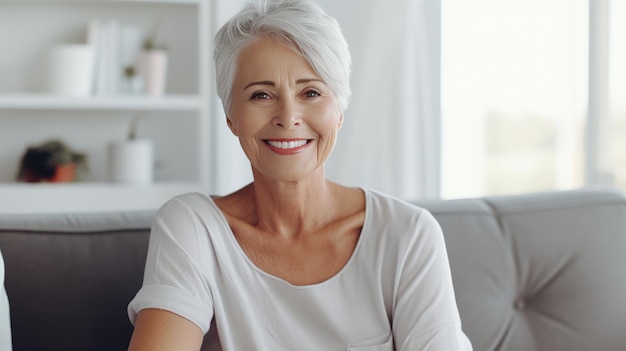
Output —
(539, 272)
(481, 267)
(69, 281)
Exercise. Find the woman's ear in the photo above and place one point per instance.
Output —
(231, 126)
(340, 123)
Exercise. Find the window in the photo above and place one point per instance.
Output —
(515, 92)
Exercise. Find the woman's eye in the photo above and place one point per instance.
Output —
(312, 93)
(260, 96)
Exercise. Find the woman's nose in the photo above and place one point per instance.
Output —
(287, 115)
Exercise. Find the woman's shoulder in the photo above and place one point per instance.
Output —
(191, 219)
(187, 205)
(394, 212)
(187, 200)
(383, 202)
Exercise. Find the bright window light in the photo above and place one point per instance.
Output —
(514, 95)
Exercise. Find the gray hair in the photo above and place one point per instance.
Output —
(302, 25)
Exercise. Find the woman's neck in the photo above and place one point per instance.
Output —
(292, 208)
(284, 208)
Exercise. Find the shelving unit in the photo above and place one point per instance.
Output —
(177, 123)
(33, 101)
(87, 197)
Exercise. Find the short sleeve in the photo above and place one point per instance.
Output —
(425, 314)
(175, 276)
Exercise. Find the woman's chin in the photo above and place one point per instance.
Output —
(291, 174)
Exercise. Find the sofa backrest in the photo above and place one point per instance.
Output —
(539, 272)
(69, 278)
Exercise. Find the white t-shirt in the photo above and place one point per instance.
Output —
(395, 290)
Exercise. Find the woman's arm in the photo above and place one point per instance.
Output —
(161, 330)
(173, 309)
(425, 315)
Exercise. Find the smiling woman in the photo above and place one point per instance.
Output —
(266, 261)
(277, 98)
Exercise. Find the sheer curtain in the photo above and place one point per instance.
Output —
(390, 140)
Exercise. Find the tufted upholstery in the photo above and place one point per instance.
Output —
(531, 272)
(539, 272)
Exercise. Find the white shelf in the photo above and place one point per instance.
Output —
(177, 123)
(42, 198)
(147, 2)
(34, 101)
(178, 2)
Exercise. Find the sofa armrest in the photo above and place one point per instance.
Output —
(5, 320)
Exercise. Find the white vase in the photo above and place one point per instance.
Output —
(153, 71)
(131, 161)
(70, 70)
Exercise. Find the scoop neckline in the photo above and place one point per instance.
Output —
(272, 277)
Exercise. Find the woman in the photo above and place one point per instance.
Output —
(293, 261)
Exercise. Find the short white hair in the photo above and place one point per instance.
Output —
(301, 24)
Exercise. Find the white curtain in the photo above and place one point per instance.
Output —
(230, 169)
(390, 140)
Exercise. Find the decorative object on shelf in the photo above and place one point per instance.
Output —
(153, 67)
(131, 160)
(70, 70)
(52, 161)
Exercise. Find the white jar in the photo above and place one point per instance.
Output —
(131, 161)
(70, 70)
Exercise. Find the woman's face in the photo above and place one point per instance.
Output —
(285, 116)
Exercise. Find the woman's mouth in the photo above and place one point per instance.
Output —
(287, 146)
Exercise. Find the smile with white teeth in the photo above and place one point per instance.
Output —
(287, 144)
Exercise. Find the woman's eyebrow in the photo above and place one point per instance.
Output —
(309, 80)
(261, 82)
(271, 83)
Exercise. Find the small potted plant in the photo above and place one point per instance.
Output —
(131, 159)
(52, 161)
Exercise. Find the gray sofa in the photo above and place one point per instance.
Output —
(531, 272)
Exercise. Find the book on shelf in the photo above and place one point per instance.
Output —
(117, 46)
